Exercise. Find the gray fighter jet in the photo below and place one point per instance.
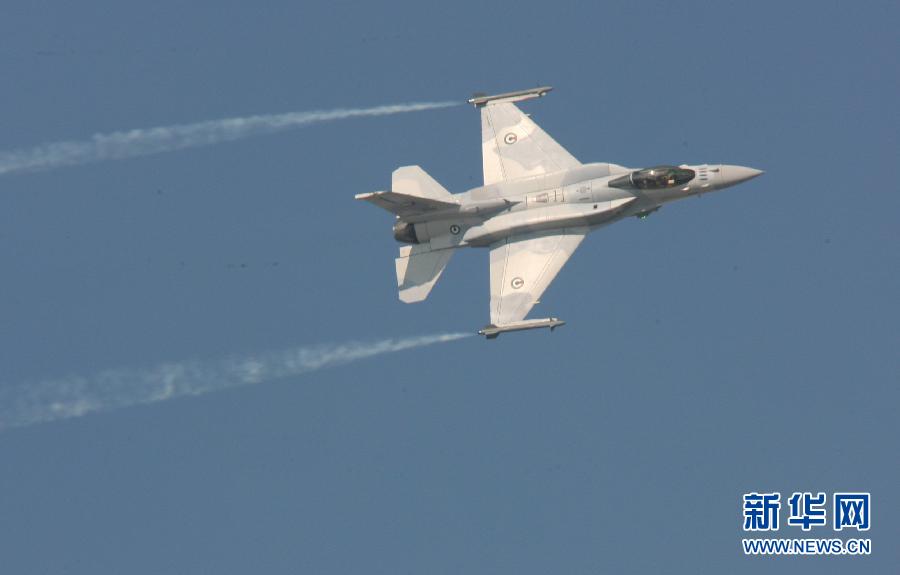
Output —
(536, 205)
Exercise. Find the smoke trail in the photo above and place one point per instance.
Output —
(74, 396)
(145, 141)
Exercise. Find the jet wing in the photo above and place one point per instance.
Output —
(513, 146)
(523, 266)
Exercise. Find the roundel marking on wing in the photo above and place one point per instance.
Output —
(510, 138)
(454, 229)
(517, 283)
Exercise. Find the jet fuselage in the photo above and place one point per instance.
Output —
(591, 195)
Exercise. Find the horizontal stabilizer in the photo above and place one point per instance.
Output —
(413, 192)
(492, 331)
(418, 269)
(405, 205)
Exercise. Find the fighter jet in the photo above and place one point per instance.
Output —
(536, 206)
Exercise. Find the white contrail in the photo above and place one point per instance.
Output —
(145, 141)
(74, 396)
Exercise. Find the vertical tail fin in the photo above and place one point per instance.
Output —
(414, 181)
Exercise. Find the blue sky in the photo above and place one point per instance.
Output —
(741, 341)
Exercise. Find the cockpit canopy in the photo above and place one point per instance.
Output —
(654, 178)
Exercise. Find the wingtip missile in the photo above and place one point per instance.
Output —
(483, 100)
(492, 331)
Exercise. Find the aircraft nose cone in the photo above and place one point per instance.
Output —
(736, 174)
